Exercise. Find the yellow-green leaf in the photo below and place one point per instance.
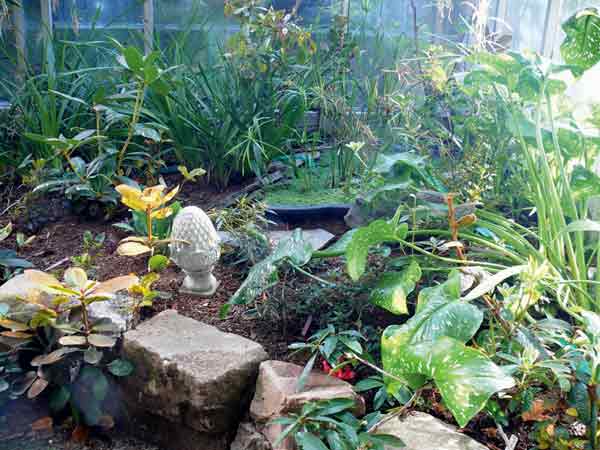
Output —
(72, 340)
(5, 231)
(100, 340)
(133, 249)
(76, 278)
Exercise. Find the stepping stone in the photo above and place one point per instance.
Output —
(318, 238)
(420, 431)
(192, 382)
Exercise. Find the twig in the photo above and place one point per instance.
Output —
(56, 264)
(398, 412)
(511, 443)
(15, 203)
(310, 275)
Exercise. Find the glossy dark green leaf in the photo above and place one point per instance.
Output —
(335, 441)
(335, 406)
(308, 441)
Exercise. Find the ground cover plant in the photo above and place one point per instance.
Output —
(467, 286)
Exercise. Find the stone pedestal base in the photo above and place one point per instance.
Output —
(202, 284)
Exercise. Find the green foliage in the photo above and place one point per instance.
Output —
(431, 345)
(295, 250)
(57, 347)
(580, 47)
(343, 430)
(9, 261)
(393, 288)
(375, 233)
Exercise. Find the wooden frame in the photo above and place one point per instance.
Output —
(148, 26)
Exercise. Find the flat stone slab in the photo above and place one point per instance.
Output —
(420, 431)
(318, 238)
(191, 376)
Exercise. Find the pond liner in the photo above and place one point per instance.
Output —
(303, 212)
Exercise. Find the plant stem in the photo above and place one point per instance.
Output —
(593, 415)
(134, 120)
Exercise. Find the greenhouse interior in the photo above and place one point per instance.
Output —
(299, 224)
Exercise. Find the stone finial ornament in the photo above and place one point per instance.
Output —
(195, 248)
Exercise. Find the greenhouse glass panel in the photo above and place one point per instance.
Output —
(527, 18)
(99, 13)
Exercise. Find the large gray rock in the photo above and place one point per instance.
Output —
(420, 431)
(23, 285)
(117, 309)
(191, 380)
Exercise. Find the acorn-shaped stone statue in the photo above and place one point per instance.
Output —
(195, 248)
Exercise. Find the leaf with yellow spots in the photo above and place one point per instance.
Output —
(431, 346)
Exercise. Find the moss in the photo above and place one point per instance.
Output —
(313, 187)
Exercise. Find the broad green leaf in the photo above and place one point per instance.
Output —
(389, 440)
(584, 183)
(335, 406)
(465, 377)
(133, 59)
(93, 377)
(431, 346)
(375, 233)
(393, 288)
(51, 358)
(158, 263)
(73, 340)
(440, 313)
(76, 278)
(339, 247)
(263, 275)
(334, 440)
(92, 356)
(581, 47)
(308, 441)
(579, 398)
